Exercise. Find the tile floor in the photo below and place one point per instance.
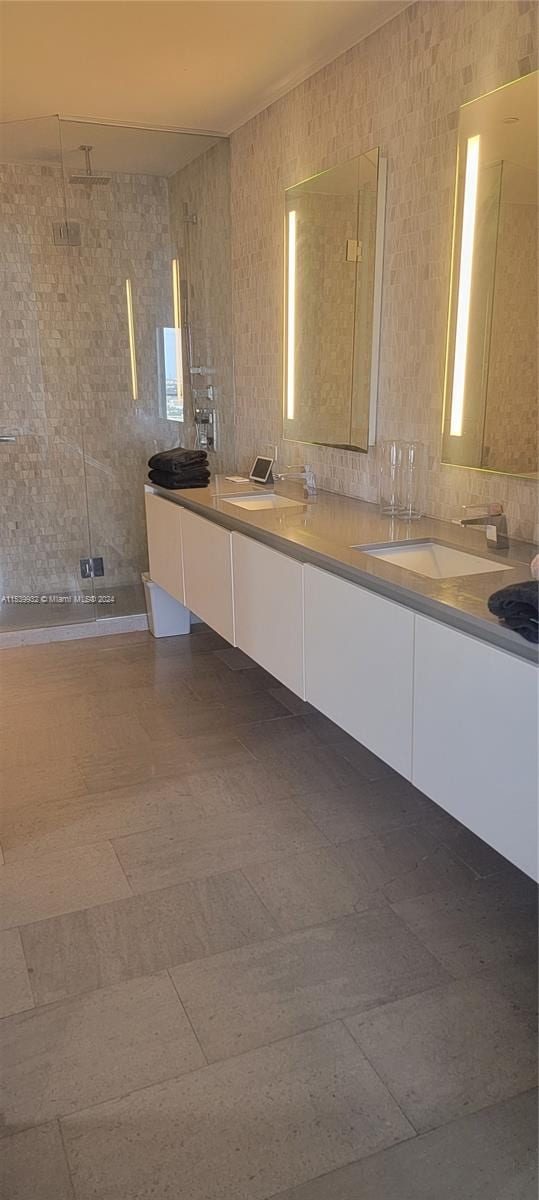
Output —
(240, 958)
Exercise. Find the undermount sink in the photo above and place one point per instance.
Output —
(258, 500)
(433, 559)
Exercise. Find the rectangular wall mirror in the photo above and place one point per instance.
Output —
(490, 404)
(333, 271)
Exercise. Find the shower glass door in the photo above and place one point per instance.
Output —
(126, 201)
(44, 527)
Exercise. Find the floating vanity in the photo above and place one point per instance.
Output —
(410, 664)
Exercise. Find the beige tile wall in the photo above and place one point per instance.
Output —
(401, 89)
(43, 521)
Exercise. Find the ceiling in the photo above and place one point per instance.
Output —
(115, 148)
(190, 64)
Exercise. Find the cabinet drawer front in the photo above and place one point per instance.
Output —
(163, 523)
(268, 602)
(475, 737)
(207, 564)
(359, 664)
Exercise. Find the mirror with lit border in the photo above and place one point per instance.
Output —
(333, 269)
(490, 396)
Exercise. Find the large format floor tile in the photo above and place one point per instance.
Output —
(308, 765)
(199, 848)
(141, 935)
(50, 776)
(223, 788)
(277, 884)
(310, 888)
(61, 882)
(33, 1166)
(49, 824)
(247, 997)
(15, 990)
(405, 862)
(459, 1047)
(86, 736)
(495, 920)
(198, 717)
(67, 1056)
(171, 757)
(490, 1155)
(217, 684)
(241, 1130)
(362, 809)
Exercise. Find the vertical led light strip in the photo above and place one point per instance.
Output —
(131, 328)
(465, 285)
(291, 318)
(177, 309)
(176, 292)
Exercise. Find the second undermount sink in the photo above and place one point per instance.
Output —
(433, 559)
(261, 500)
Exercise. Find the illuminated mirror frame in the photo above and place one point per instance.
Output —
(289, 347)
(460, 291)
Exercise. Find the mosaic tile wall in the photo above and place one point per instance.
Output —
(401, 89)
(203, 188)
(43, 523)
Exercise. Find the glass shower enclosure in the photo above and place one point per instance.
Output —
(114, 296)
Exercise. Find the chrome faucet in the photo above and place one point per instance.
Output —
(491, 518)
(305, 473)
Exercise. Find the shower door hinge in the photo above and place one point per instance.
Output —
(91, 568)
(66, 233)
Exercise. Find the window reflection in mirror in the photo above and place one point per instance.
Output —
(490, 403)
(169, 360)
(331, 271)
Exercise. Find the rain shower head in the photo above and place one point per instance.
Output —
(88, 175)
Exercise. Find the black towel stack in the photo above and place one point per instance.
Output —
(518, 607)
(179, 468)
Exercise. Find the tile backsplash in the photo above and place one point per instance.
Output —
(400, 89)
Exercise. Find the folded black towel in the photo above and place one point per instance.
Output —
(177, 459)
(518, 607)
(167, 479)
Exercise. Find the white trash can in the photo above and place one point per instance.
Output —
(166, 616)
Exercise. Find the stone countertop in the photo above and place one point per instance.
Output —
(323, 529)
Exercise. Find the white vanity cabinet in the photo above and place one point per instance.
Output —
(163, 524)
(448, 711)
(207, 565)
(268, 602)
(475, 737)
(359, 664)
